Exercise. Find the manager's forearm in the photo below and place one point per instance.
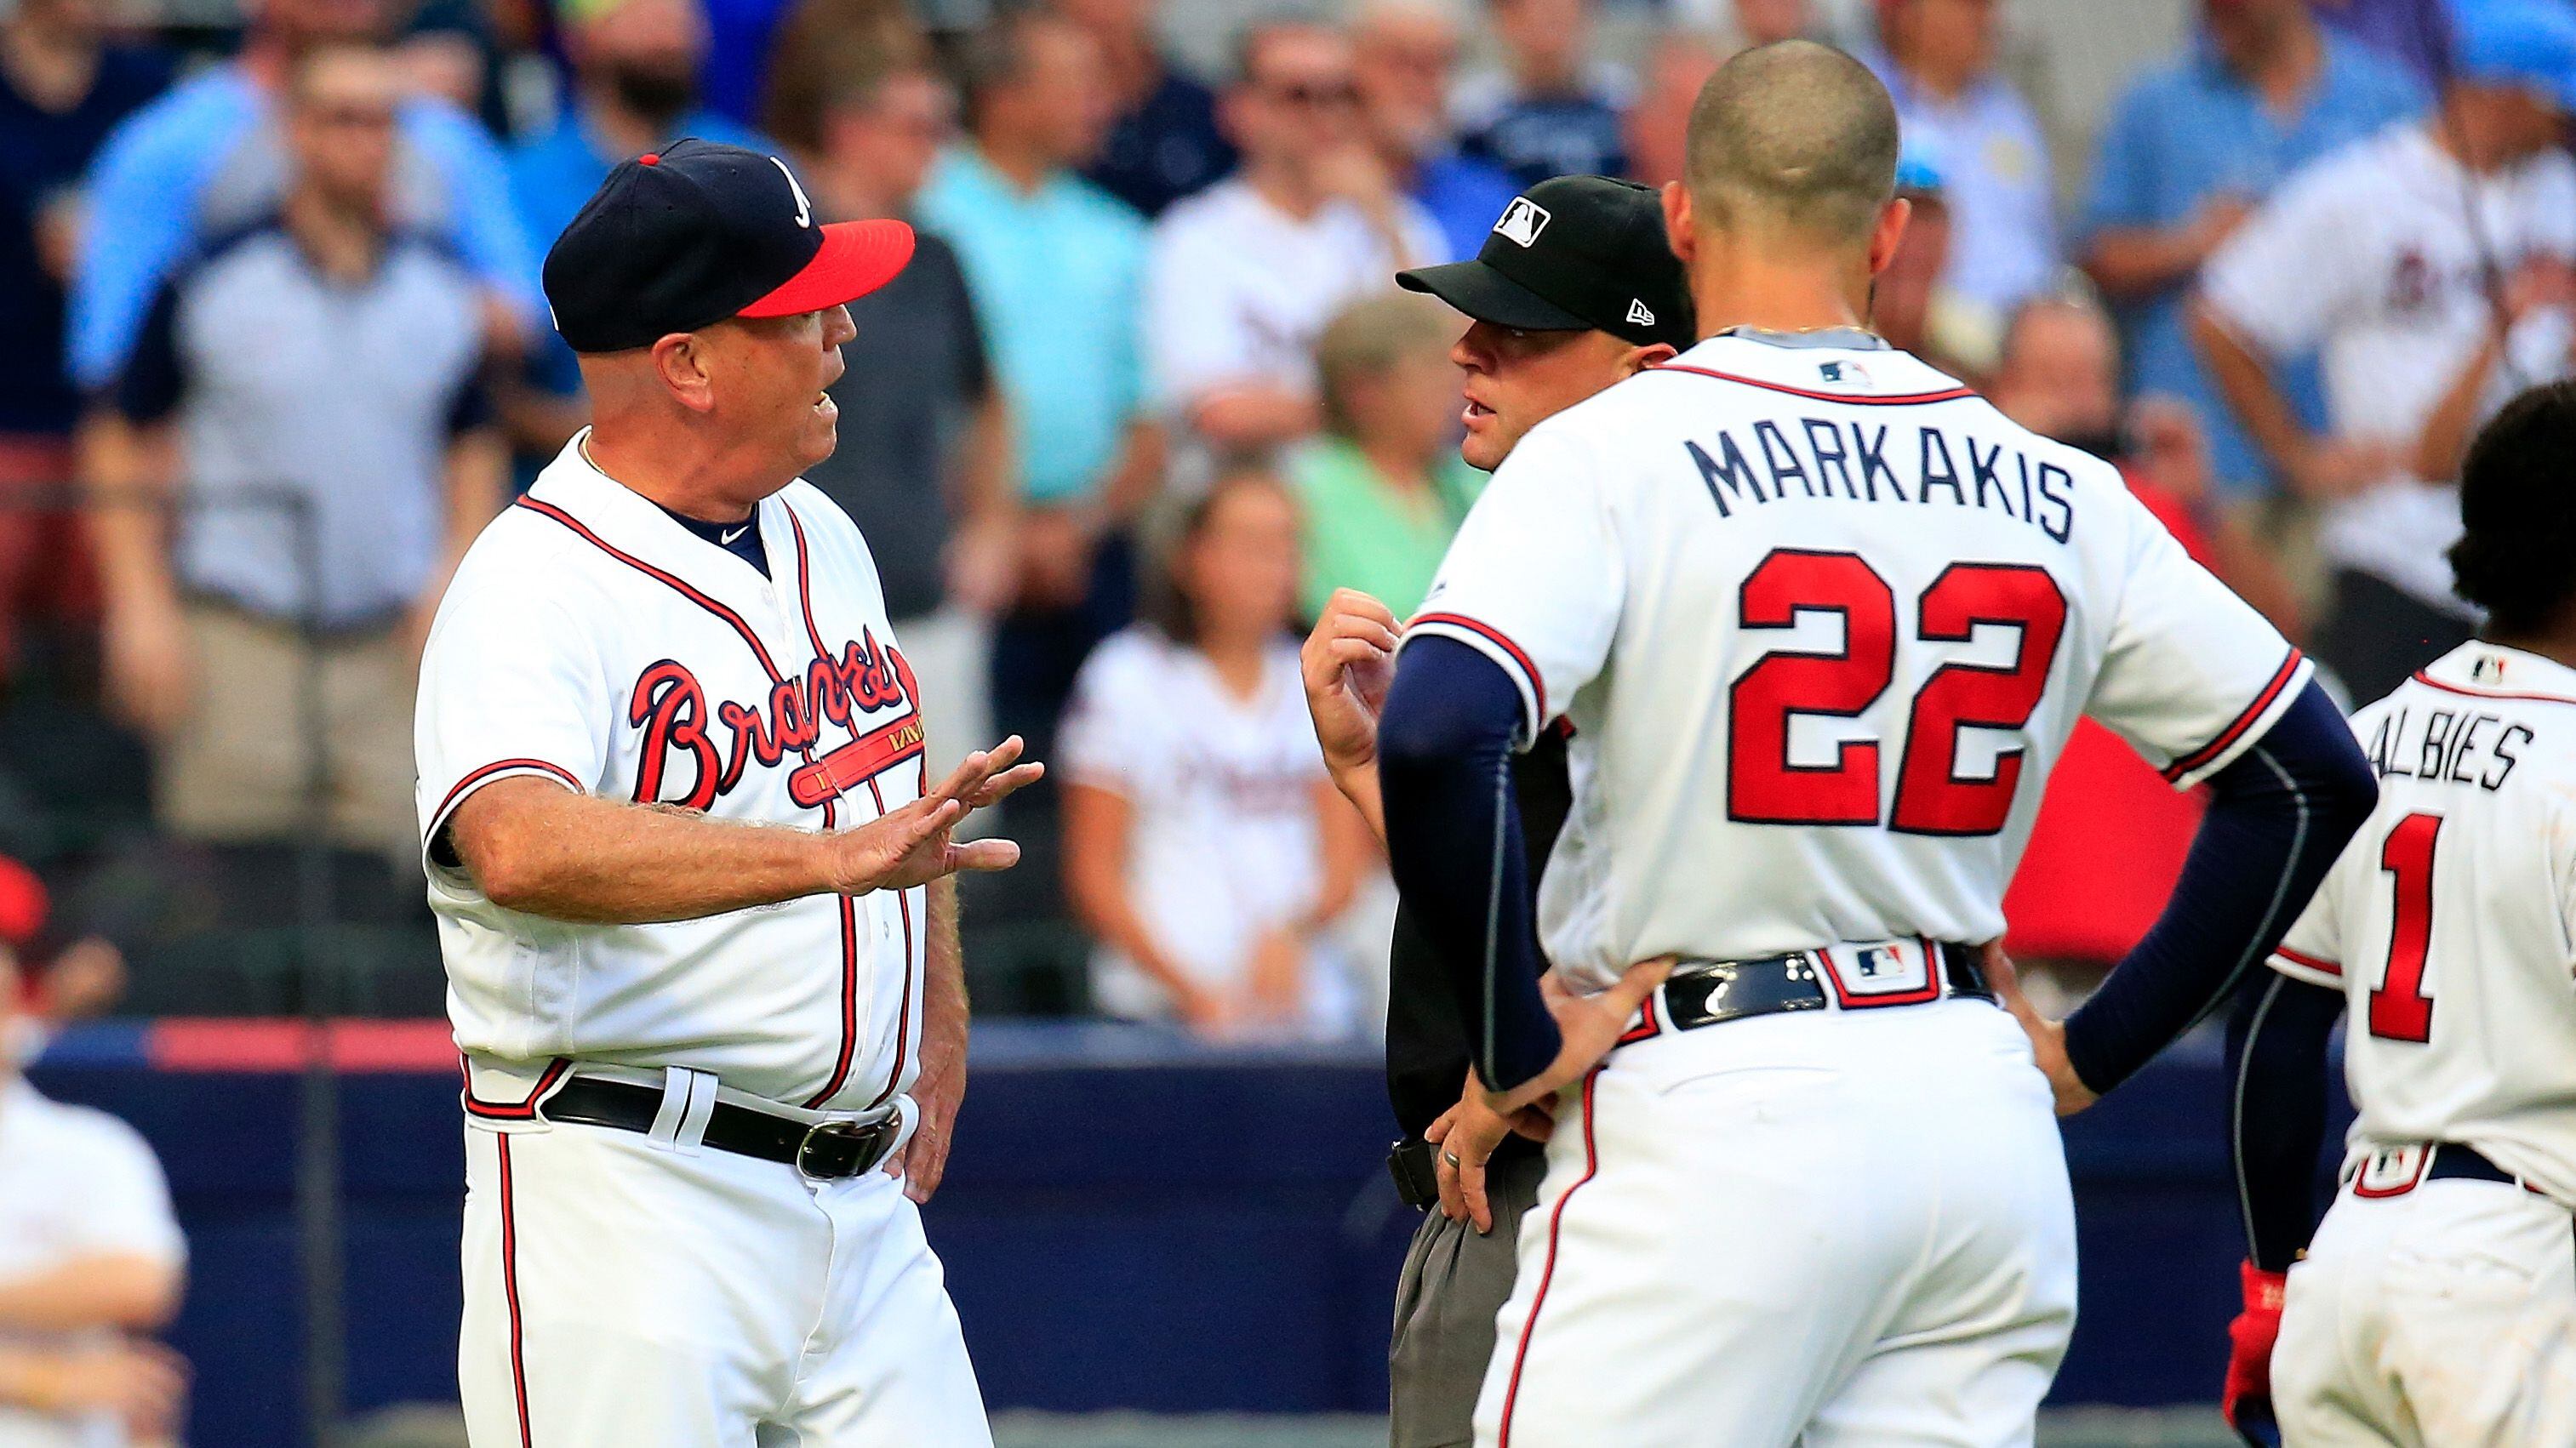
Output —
(536, 847)
(943, 1005)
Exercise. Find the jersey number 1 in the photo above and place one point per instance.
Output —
(2399, 1009)
(1763, 787)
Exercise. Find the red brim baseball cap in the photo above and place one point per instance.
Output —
(856, 258)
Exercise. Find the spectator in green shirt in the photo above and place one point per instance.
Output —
(1383, 486)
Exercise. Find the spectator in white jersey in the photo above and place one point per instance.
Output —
(91, 1262)
(1242, 275)
(2430, 266)
(1205, 846)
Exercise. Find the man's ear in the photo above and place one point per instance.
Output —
(1889, 234)
(1678, 222)
(680, 361)
(1653, 354)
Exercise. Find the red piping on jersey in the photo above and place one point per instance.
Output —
(2430, 682)
(521, 1110)
(466, 785)
(1646, 1028)
(1907, 399)
(2229, 735)
(1494, 636)
(2321, 967)
(849, 907)
(510, 1293)
(1547, 1273)
(684, 590)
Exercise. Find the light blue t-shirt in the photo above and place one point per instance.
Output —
(208, 158)
(553, 175)
(2195, 129)
(1995, 175)
(1055, 275)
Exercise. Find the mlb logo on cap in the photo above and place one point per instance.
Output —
(1522, 221)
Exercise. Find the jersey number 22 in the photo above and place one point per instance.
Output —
(1763, 787)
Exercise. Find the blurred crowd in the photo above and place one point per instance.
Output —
(1146, 395)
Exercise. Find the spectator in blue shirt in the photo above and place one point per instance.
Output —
(1402, 54)
(1553, 108)
(2186, 156)
(61, 91)
(207, 159)
(1055, 266)
(2416, 34)
(1939, 64)
(634, 87)
(1165, 143)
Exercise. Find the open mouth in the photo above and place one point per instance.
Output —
(824, 406)
(1476, 410)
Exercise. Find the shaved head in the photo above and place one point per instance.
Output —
(1796, 140)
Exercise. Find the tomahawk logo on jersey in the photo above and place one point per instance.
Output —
(1852, 613)
(2449, 922)
(592, 640)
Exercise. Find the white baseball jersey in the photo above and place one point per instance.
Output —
(2450, 920)
(590, 639)
(1821, 619)
(2379, 257)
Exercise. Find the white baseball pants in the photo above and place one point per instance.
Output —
(1851, 1225)
(2441, 1317)
(623, 1294)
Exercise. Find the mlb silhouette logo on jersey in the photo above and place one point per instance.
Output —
(1522, 221)
(1844, 371)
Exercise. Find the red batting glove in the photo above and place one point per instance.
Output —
(2247, 1401)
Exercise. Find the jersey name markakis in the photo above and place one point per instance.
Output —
(1871, 463)
(670, 706)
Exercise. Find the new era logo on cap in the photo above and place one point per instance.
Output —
(1522, 221)
(1639, 314)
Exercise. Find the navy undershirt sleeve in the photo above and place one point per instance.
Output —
(2276, 1038)
(2278, 816)
(1453, 841)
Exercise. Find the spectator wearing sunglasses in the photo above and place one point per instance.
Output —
(1242, 277)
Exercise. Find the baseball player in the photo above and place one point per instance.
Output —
(2437, 1305)
(1819, 619)
(678, 832)
(1573, 290)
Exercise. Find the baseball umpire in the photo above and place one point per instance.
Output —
(678, 829)
(1574, 290)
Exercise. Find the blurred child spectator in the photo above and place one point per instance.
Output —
(634, 87)
(1055, 266)
(1383, 488)
(1939, 63)
(1552, 107)
(336, 358)
(91, 1263)
(1243, 274)
(1677, 65)
(2430, 264)
(924, 459)
(1165, 143)
(62, 89)
(2191, 149)
(209, 158)
(1402, 53)
(1914, 307)
(1205, 849)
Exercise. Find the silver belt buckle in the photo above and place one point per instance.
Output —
(842, 1130)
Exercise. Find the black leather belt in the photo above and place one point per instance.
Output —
(1707, 992)
(825, 1151)
(2450, 1159)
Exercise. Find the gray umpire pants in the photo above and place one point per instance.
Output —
(1454, 1281)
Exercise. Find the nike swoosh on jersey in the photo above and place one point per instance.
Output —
(727, 539)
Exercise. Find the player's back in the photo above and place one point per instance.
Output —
(1822, 619)
(2449, 922)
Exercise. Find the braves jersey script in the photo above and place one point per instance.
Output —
(2449, 922)
(1821, 619)
(590, 639)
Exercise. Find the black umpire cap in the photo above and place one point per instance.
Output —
(698, 232)
(1573, 254)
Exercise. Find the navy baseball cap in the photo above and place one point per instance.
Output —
(1572, 254)
(688, 236)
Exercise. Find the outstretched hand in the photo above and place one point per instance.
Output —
(915, 845)
(2047, 1037)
